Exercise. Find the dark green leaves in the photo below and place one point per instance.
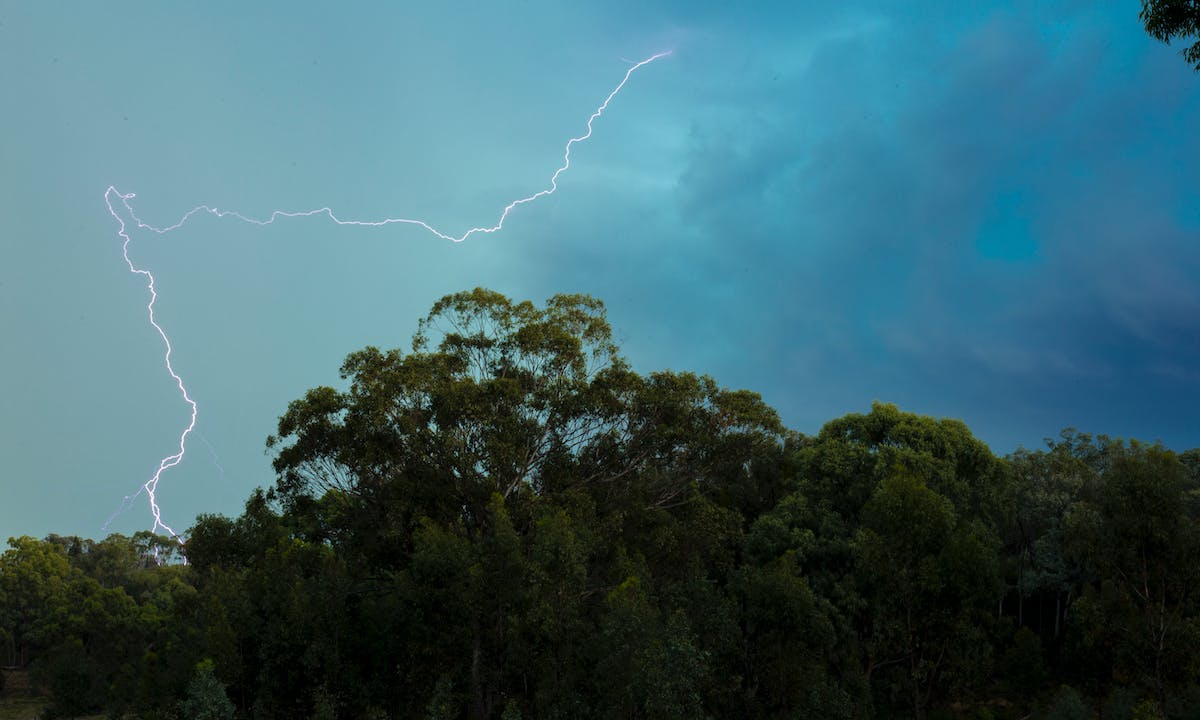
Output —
(1166, 20)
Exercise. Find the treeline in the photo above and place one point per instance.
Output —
(508, 522)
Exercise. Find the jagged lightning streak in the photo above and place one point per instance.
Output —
(150, 487)
(170, 461)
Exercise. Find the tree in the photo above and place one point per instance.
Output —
(649, 666)
(842, 468)
(34, 577)
(928, 575)
(789, 640)
(514, 400)
(1139, 537)
(1166, 20)
(436, 432)
(1046, 485)
(889, 496)
(206, 698)
(441, 476)
(79, 638)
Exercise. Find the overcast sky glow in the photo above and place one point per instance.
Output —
(991, 214)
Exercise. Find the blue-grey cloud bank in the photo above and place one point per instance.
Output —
(982, 211)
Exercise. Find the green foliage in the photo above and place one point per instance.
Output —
(324, 706)
(512, 711)
(1147, 710)
(1166, 20)
(1068, 704)
(71, 679)
(1024, 665)
(649, 666)
(443, 705)
(927, 577)
(1139, 537)
(206, 698)
(508, 522)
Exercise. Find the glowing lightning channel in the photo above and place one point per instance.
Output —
(151, 486)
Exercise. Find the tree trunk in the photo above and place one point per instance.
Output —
(1021, 591)
(478, 707)
(1057, 611)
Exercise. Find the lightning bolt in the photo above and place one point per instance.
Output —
(114, 197)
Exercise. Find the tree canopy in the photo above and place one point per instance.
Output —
(507, 521)
(1167, 20)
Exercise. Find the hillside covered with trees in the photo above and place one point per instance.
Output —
(508, 522)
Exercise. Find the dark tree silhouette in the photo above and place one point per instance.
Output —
(1169, 19)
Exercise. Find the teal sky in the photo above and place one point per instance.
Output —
(984, 212)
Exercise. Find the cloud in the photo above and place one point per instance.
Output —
(1004, 207)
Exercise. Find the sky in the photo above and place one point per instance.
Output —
(988, 212)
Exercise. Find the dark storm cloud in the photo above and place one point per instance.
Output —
(1000, 223)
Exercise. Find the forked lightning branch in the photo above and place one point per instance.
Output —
(121, 207)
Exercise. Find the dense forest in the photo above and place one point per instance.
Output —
(509, 522)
